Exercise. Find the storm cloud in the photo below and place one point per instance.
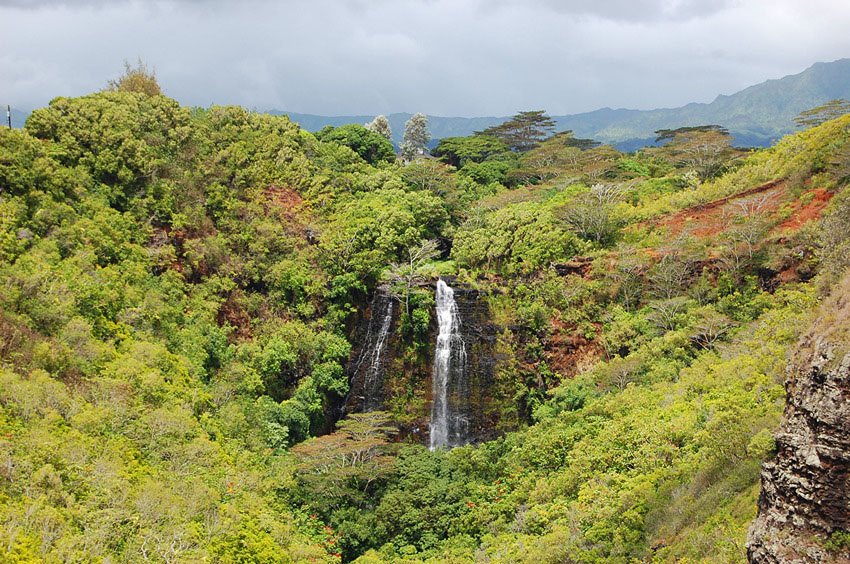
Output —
(443, 57)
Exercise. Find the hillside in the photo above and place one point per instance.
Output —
(804, 511)
(757, 116)
(226, 339)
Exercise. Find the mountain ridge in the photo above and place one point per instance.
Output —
(756, 116)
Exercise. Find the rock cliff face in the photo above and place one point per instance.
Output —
(376, 340)
(479, 406)
(804, 505)
(378, 374)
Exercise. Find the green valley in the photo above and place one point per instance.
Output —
(221, 336)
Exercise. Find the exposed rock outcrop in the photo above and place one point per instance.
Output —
(375, 338)
(481, 409)
(378, 375)
(804, 505)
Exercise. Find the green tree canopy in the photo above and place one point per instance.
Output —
(706, 149)
(523, 131)
(519, 237)
(373, 147)
(458, 151)
(561, 153)
(824, 112)
(125, 139)
(687, 133)
(139, 78)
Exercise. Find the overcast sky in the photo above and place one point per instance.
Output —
(442, 57)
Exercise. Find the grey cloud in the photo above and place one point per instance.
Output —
(447, 57)
(38, 4)
(632, 10)
(42, 4)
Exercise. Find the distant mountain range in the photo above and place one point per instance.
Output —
(18, 117)
(756, 116)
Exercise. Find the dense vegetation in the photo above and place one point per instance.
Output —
(178, 292)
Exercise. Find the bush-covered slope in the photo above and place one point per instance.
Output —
(180, 295)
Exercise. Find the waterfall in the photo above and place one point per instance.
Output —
(372, 386)
(366, 373)
(449, 422)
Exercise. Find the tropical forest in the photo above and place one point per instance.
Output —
(226, 338)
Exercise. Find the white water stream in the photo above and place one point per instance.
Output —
(447, 429)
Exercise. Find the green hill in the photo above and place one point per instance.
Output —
(756, 116)
(187, 295)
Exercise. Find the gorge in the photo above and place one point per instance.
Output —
(454, 377)
(225, 339)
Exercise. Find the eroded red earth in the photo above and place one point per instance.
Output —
(770, 199)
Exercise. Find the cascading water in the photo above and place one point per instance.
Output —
(449, 422)
(373, 383)
(366, 373)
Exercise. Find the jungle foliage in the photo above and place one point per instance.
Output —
(178, 292)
